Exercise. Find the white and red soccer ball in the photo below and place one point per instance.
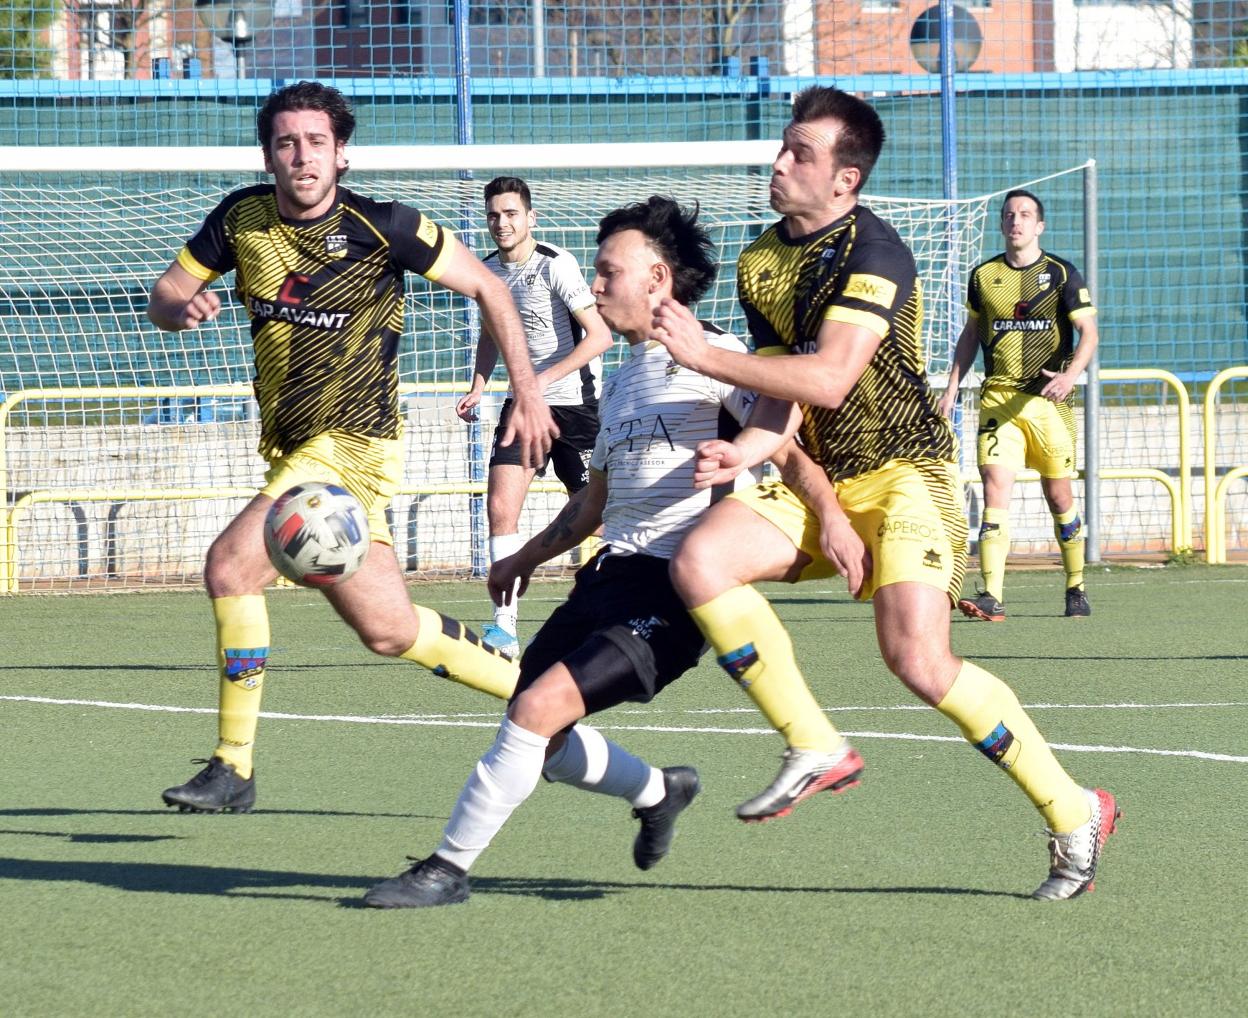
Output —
(316, 534)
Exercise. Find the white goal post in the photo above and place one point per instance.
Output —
(124, 450)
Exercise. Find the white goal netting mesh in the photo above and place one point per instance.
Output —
(125, 450)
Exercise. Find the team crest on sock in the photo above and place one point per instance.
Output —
(737, 662)
(1000, 747)
(245, 665)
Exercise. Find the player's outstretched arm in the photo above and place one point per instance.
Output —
(180, 300)
(580, 517)
(771, 424)
(822, 378)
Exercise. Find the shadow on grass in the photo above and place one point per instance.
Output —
(1109, 657)
(192, 818)
(84, 838)
(165, 878)
(206, 667)
(565, 889)
(95, 839)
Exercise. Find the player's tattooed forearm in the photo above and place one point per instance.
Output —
(560, 528)
(795, 480)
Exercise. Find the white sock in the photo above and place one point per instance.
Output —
(590, 761)
(503, 779)
(507, 616)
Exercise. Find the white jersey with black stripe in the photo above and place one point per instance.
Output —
(653, 415)
(548, 287)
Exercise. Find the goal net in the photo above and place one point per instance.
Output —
(124, 450)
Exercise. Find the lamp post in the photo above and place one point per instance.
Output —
(236, 22)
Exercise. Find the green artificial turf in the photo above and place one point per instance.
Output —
(906, 896)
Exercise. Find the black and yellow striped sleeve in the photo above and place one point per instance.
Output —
(418, 243)
(878, 280)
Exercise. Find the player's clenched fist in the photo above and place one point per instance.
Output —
(203, 307)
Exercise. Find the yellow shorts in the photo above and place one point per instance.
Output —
(370, 468)
(1018, 430)
(908, 512)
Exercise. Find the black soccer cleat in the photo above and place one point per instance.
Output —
(983, 606)
(658, 822)
(431, 882)
(1077, 606)
(215, 789)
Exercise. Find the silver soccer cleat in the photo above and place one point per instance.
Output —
(803, 773)
(1073, 857)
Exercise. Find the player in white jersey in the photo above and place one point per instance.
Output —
(623, 634)
(566, 339)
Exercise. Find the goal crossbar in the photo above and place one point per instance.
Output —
(402, 158)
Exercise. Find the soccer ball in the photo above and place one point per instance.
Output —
(316, 534)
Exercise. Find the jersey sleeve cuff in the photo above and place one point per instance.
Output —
(449, 243)
(865, 319)
(189, 262)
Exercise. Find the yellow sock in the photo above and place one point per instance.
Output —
(1068, 529)
(242, 649)
(753, 647)
(449, 649)
(994, 722)
(994, 549)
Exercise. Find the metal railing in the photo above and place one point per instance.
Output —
(51, 493)
(1216, 490)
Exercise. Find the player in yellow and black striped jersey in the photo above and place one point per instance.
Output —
(1024, 309)
(325, 299)
(831, 292)
(320, 271)
(1024, 318)
(856, 271)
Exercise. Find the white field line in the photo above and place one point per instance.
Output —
(534, 595)
(466, 721)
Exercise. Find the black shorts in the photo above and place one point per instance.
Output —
(623, 633)
(569, 453)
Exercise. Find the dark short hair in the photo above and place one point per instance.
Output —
(1018, 192)
(861, 137)
(509, 185)
(307, 95)
(677, 235)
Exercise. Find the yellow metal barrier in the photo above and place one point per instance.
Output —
(1177, 514)
(1180, 493)
(1183, 537)
(1215, 491)
(101, 393)
(8, 537)
(9, 558)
